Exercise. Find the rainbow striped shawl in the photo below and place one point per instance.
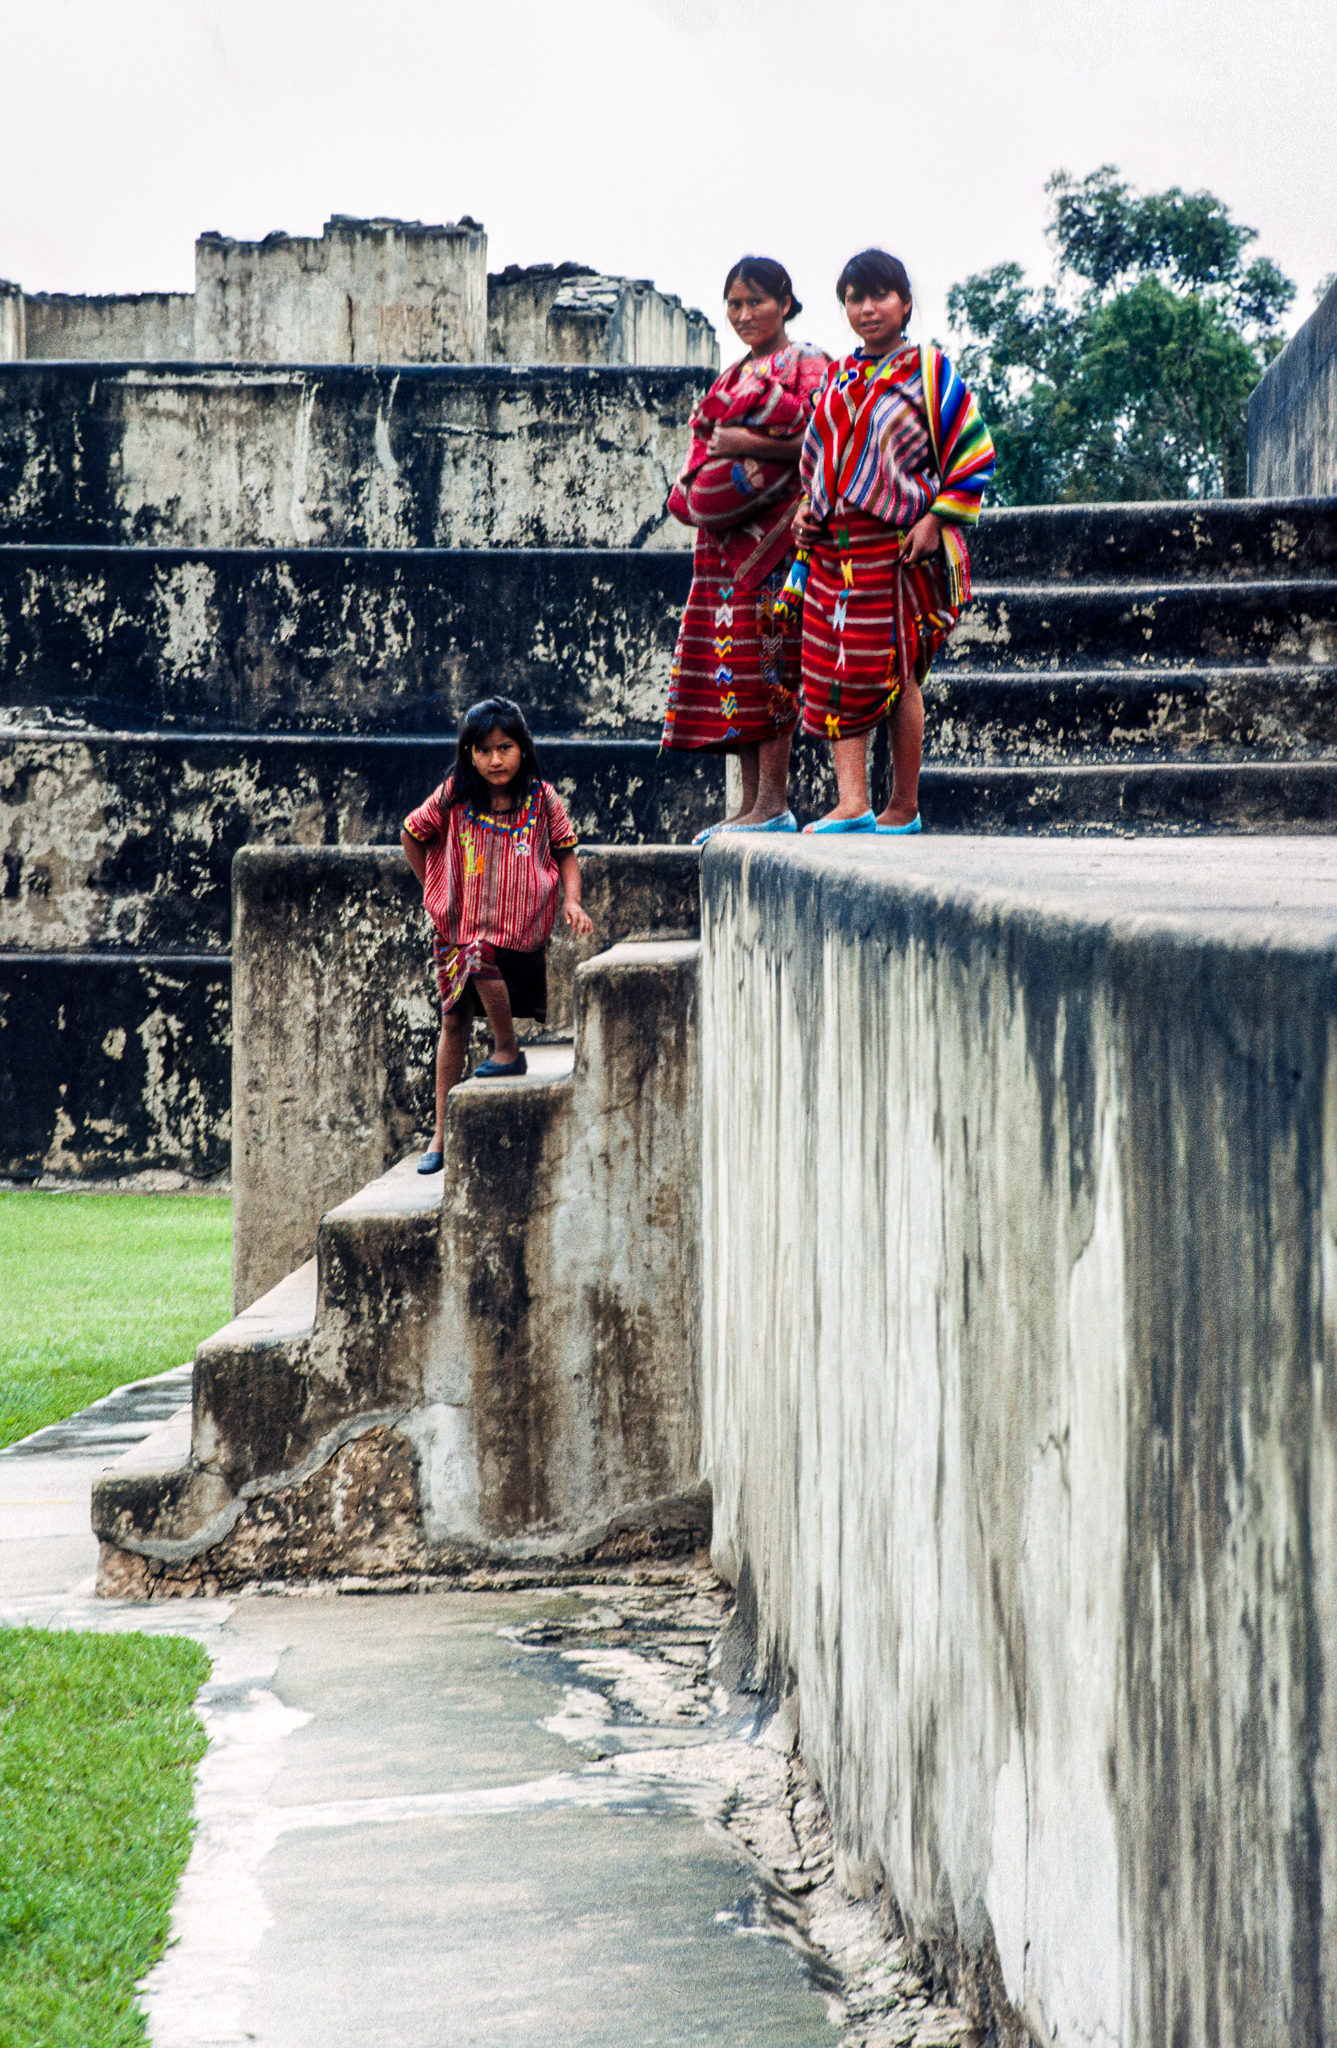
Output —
(863, 419)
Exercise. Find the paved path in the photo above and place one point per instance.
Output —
(458, 1820)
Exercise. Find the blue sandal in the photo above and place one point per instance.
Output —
(866, 823)
(913, 826)
(786, 822)
(500, 1070)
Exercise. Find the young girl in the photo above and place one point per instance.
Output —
(490, 848)
(894, 466)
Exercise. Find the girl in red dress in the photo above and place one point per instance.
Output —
(894, 467)
(735, 676)
(492, 848)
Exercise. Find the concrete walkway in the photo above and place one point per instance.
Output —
(457, 1819)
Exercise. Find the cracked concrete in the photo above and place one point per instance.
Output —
(533, 1817)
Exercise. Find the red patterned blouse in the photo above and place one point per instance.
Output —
(493, 878)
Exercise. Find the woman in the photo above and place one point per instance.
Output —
(893, 468)
(735, 676)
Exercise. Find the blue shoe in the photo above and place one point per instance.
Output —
(786, 822)
(913, 826)
(431, 1162)
(709, 833)
(500, 1070)
(867, 823)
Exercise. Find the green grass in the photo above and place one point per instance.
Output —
(97, 1746)
(96, 1290)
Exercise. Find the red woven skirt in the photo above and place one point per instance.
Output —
(868, 622)
(735, 674)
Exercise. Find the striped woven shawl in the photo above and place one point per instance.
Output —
(870, 423)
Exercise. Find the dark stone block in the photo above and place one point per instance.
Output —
(382, 642)
(1216, 539)
(345, 454)
(110, 1065)
(171, 809)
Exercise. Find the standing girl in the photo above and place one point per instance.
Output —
(894, 466)
(735, 675)
(491, 848)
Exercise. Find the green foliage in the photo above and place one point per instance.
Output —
(96, 1290)
(97, 1747)
(1128, 376)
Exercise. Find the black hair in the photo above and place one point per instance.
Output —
(768, 276)
(873, 274)
(464, 784)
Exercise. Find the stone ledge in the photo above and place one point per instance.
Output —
(1016, 1433)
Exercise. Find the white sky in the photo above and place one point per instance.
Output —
(658, 138)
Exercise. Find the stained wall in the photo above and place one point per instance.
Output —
(1293, 414)
(1020, 1390)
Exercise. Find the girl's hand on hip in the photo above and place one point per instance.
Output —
(923, 539)
(581, 924)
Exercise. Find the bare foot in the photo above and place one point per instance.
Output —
(898, 814)
(758, 816)
(843, 811)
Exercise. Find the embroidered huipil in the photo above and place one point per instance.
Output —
(491, 880)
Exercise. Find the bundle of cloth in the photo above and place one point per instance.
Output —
(746, 503)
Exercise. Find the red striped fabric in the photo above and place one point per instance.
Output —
(868, 622)
(735, 674)
(745, 501)
(491, 881)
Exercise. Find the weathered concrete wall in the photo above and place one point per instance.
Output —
(336, 1018)
(1020, 1388)
(12, 335)
(126, 840)
(519, 300)
(368, 291)
(510, 1375)
(480, 457)
(332, 640)
(134, 327)
(111, 1063)
(625, 320)
(1293, 414)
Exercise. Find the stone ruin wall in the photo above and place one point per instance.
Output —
(11, 322)
(244, 602)
(364, 291)
(148, 327)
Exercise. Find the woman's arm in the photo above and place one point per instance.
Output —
(742, 441)
(568, 873)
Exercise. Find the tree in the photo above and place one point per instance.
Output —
(1129, 375)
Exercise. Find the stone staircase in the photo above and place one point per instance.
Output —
(1142, 668)
(399, 1409)
(188, 666)
(169, 695)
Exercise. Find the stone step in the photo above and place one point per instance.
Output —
(398, 1407)
(126, 839)
(400, 643)
(1202, 539)
(1141, 796)
(472, 455)
(1282, 712)
(115, 1063)
(1059, 626)
(328, 640)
